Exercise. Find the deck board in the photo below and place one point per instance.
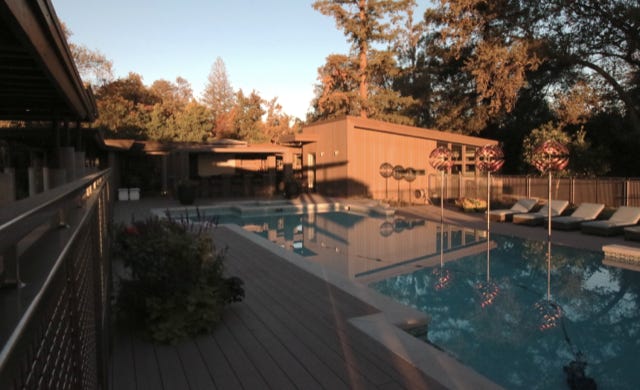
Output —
(147, 370)
(195, 370)
(171, 372)
(217, 364)
(291, 331)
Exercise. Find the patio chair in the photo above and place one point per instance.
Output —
(537, 218)
(521, 206)
(584, 213)
(623, 217)
(632, 233)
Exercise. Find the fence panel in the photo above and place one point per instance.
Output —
(515, 186)
(633, 192)
(55, 328)
(613, 192)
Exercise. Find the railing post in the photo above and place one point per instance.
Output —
(10, 268)
(626, 191)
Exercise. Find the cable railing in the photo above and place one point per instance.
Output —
(55, 278)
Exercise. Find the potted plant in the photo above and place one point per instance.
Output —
(187, 190)
(174, 286)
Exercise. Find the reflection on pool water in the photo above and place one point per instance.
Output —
(509, 329)
(360, 246)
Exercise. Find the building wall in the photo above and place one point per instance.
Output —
(350, 150)
(369, 149)
(331, 156)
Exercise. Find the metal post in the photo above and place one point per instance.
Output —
(549, 210)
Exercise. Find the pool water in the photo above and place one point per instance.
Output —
(357, 245)
(497, 324)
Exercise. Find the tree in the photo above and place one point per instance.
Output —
(247, 118)
(336, 94)
(125, 106)
(277, 123)
(366, 22)
(505, 43)
(584, 160)
(193, 123)
(219, 96)
(94, 67)
(173, 96)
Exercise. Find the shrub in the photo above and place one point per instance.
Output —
(175, 287)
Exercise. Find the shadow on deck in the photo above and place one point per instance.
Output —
(291, 331)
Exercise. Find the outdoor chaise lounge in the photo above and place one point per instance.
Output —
(632, 233)
(521, 206)
(623, 217)
(537, 218)
(584, 213)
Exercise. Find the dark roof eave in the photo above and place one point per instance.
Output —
(37, 27)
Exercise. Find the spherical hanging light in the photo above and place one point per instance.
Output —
(550, 156)
(489, 158)
(441, 158)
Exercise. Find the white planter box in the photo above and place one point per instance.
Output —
(123, 194)
(134, 193)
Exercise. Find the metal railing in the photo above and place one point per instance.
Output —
(55, 277)
(611, 191)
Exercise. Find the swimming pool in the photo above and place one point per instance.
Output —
(496, 327)
(358, 244)
(495, 324)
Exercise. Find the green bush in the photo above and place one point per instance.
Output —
(175, 287)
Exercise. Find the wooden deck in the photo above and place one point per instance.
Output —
(290, 332)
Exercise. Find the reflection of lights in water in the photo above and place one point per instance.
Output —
(443, 278)
(488, 292)
(549, 313)
(297, 245)
(386, 229)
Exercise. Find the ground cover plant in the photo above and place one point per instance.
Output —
(174, 285)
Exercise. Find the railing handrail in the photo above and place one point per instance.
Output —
(19, 219)
(59, 253)
(9, 345)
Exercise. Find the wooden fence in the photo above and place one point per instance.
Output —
(611, 191)
(55, 278)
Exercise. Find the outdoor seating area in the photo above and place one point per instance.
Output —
(624, 221)
(506, 215)
(623, 217)
(584, 213)
(538, 217)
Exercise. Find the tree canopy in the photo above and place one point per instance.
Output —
(511, 70)
(364, 23)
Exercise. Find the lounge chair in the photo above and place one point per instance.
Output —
(632, 233)
(623, 217)
(584, 213)
(521, 206)
(537, 218)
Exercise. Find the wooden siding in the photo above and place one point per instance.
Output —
(350, 150)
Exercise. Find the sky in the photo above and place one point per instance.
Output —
(274, 47)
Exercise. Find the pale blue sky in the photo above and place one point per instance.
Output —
(272, 46)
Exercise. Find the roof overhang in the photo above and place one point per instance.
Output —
(38, 77)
